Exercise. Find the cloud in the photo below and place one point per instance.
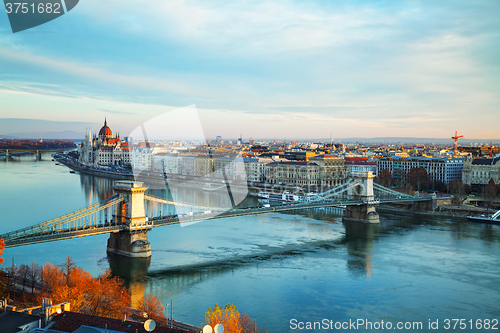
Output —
(115, 112)
(83, 70)
(357, 67)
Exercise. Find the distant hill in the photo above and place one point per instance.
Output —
(396, 140)
(63, 135)
(20, 128)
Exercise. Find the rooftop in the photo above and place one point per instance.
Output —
(72, 321)
(485, 161)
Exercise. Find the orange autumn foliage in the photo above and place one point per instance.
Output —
(229, 317)
(2, 247)
(102, 296)
(232, 320)
(152, 306)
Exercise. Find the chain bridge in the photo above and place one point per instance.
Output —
(129, 214)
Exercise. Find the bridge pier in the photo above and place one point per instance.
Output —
(132, 239)
(366, 212)
(7, 153)
(38, 155)
(361, 213)
(430, 205)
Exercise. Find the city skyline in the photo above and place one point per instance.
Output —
(72, 131)
(280, 69)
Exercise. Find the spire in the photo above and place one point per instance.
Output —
(105, 121)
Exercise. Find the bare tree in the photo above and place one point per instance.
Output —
(384, 178)
(491, 190)
(66, 268)
(11, 280)
(23, 274)
(34, 275)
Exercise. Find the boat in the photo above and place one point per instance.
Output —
(493, 219)
(72, 171)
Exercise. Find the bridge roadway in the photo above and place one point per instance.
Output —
(33, 151)
(62, 234)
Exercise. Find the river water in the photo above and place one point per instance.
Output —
(305, 266)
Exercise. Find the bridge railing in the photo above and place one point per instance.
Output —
(74, 220)
(390, 192)
(335, 192)
(176, 203)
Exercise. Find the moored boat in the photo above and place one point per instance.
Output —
(493, 219)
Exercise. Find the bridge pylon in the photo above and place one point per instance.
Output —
(132, 239)
(365, 212)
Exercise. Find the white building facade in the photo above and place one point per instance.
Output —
(104, 149)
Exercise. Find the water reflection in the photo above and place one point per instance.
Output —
(133, 271)
(96, 187)
(359, 240)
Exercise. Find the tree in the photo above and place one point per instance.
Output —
(66, 268)
(107, 297)
(418, 178)
(2, 247)
(440, 186)
(2, 290)
(23, 274)
(229, 317)
(51, 277)
(104, 296)
(456, 186)
(458, 189)
(34, 275)
(385, 178)
(248, 325)
(11, 280)
(491, 190)
(232, 320)
(152, 306)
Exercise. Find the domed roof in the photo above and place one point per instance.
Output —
(105, 130)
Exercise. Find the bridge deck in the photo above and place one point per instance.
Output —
(62, 234)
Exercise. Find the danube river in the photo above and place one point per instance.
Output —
(280, 269)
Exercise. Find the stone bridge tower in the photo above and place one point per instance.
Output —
(364, 212)
(132, 239)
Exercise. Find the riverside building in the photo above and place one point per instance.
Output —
(104, 149)
(438, 169)
(479, 171)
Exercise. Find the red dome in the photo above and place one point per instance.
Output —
(105, 130)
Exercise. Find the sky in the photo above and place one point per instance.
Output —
(263, 69)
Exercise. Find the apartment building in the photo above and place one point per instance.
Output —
(332, 170)
(438, 169)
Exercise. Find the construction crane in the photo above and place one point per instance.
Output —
(456, 137)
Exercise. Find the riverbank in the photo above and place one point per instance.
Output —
(155, 179)
(203, 183)
(445, 210)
